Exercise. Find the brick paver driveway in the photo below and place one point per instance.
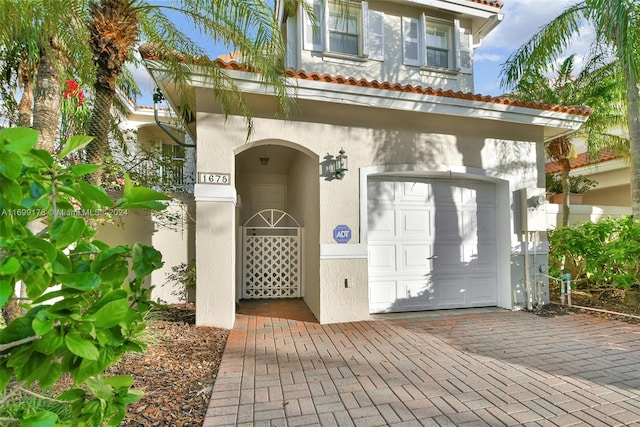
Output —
(462, 368)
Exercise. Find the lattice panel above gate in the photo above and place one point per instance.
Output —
(271, 267)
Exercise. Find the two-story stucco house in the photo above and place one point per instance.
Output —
(427, 213)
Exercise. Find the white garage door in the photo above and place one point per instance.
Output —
(432, 244)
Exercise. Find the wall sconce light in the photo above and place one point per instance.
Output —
(264, 161)
(339, 164)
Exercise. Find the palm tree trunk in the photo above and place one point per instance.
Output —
(566, 191)
(99, 125)
(25, 107)
(47, 99)
(633, 117)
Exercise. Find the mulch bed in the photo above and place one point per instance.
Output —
(176, 372)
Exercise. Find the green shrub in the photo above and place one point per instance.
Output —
(603, 253)
(87, 300)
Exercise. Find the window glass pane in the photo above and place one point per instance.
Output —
(344, 29)
(437, 58)
(343, 43)
(438, 46)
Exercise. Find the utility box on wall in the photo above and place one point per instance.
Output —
(533, 209)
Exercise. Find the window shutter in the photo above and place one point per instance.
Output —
(464, 51)
(312, 27)
(410, 41)
(375, 34)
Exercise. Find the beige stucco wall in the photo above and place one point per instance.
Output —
(441, 145)
(174, 237)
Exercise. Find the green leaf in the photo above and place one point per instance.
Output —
(40, 419)
(12, 192)
(47, 249)
(145, 259)
(119, 381)
(93, 193)
(81, 346)
(62, 264)
(36, 281)
(132, 396)
(66, 231)
(37, 158)
(5, 376)
(52, 374)
(128, 185)
(74, 143)
(83, 169)
(72, 394)
(100, 388)
(151, 205)
(10, 165)
(6, 291)
(21, 139)
(143, 194)
(49, 343)
(18, 329)
(10, 266)
(112, 313)
(81, 281)
(42, 323)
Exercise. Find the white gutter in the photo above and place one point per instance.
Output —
(401, 101)
(407, 101)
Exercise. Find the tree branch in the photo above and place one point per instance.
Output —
(12, 344)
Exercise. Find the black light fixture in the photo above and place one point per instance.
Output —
(264, 161)
(340, 164)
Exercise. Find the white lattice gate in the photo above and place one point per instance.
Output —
(271, 256)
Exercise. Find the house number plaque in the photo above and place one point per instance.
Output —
(214, 178)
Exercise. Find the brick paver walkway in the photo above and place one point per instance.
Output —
(474, 369)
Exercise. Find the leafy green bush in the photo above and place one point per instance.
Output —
(603, 253)
(88, 301)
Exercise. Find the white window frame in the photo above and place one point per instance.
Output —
(451, 29)
(351, 6)
(446, 28)
(316, 36)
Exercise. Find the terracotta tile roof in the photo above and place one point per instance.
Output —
(578, 110)
(496, 3)
(582, 160)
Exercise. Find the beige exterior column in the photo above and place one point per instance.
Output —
(216, 247)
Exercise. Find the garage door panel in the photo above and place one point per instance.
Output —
(381, 191)
(414, 259)
(382, 259)
(416, 224)
(418, 295)
(482, 293)
(451, 291)
(382, 295)
(382, 224)
(451, 221)
(414, 192)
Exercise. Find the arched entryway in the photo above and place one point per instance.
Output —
(278, 185)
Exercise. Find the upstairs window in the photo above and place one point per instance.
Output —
(346, 28)
(436, 44)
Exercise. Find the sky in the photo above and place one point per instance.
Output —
(522, 19)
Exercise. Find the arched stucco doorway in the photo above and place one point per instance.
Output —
(282, 175)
